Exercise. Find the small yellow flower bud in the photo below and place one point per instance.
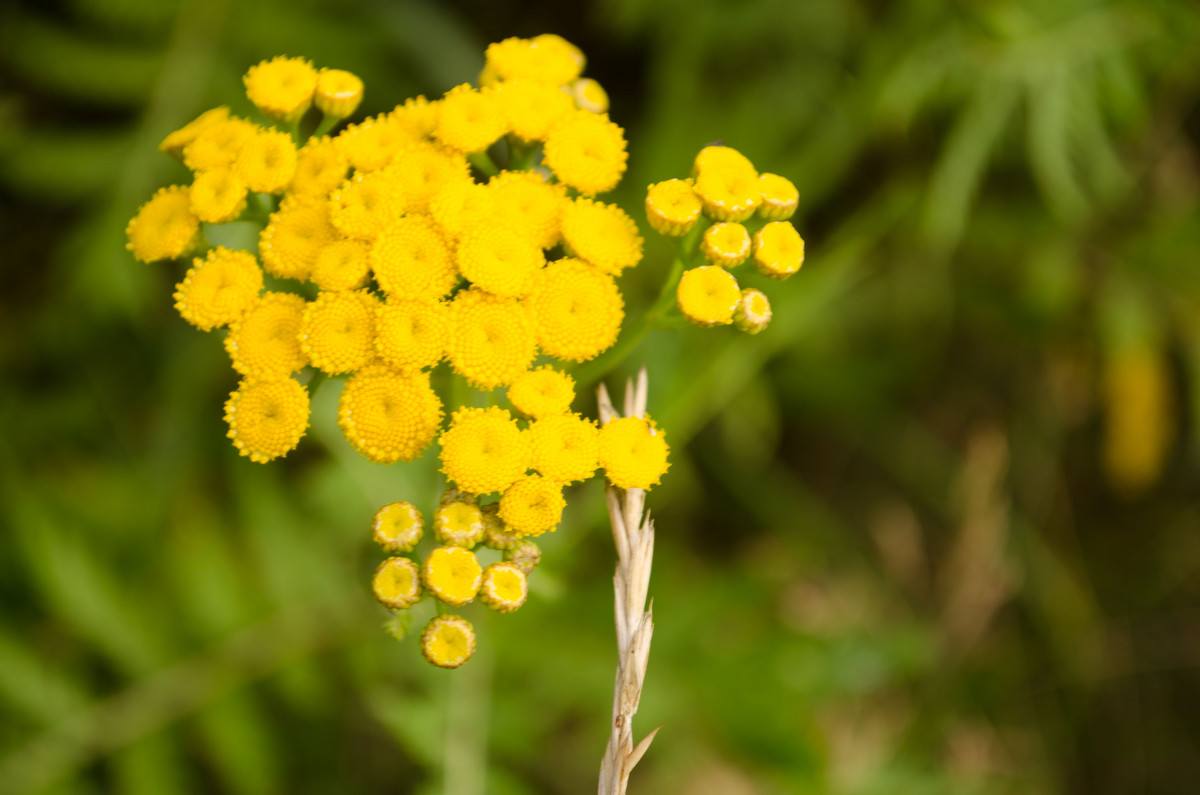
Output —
(338, 92)
(526, 555)
(448, 641)
(672, 207)
(753, 312)
(589, 95)
(397, 583)
(708, 295)
(504, 587)
(779, 197)
(282, 87)
(778, 250)
(398, 527)
(726, 244)
(452, 574)
(458, 524)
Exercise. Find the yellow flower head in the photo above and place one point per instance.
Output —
(218, 144)
(418, 116)
(586, 151)
(397, 527)
(728, 194)
(338, 330)
(525, 200)
(525, 555)
(341, 265)
(470, 119)
(164, 227)
(779, 197)
(496, 534)
(320, 167)
(462, 205)
(448, 641)
(267, 161)
(726, 244)
(217, 195)
(720, 157)
(294, 236)
(708, 296)
(603, 234)
(499, 260)
(504, 587)
(753, 312)
(542, 391)
(218, 289)
(420, 171)
(397, 583)
(589, 95)
(483, 450)
(458, 524)
(267, 419)
(411, 260)
(633, 452)
(532, 505)
(372, 143)
(411, 335)
(778, 250)
(173, 144)
(672, 207)
(565, 447)
(365, 205)
(491, 339)
(546, 59)
(452, 574)
(532, 108)
(282, 88)
(389, 416)
(264, 344)
(338, 92)
(577, 310)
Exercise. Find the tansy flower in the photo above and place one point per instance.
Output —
(411, 260)
(707, 296)
(341, 265)
(282, 88)
(504, 587)
(525, 555)
(531, 108)
(728, 194)
(603, 234)
(577, 310)
(672, 207)
(547, 59)
(542, 391)
(267, 161)
(217, 195)
(164, 227)
(778, 250)
(470, 119)
(338, 330)
(499, 260)
(397, 583)
(294, 236)
(389, 416)
(411, 335)
(483, 450)
(397, 527)
(365, 205)
(532, 505)
(452, 574)
(586, 151)
(320, 167)
(218, 144)
(753, 312)
(524, 199)
(338, 92)
(721, 157)
(726, 244)
(418, 117)
(496, 534)
(448, 641)
(779, 197)
(267, 418)
(264, 344)
(633, 452)
(217, 289)
(418, 172)
(565, 447)
(491, 340)
(589, 95)
(173, 144)
(461, 205)
(372, 143)
(458, 524)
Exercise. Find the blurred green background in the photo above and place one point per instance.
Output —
(937, 530)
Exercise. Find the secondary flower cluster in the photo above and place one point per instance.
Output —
(745, 216)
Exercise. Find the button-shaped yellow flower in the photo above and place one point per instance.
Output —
(267, 161)
(412, 335)
(412, 262)
(366, 205)
(265, 342)
(164, 227)
(779, 197)
(452, 574)
(217, 195)
(173, 144)
(728, 194)
(341, 265)
(267, 419)
(397, 527)
(577, 310)
(672, 207)
(633, 452)
(218, 144)
(778, 250)
(448, 641)
(504, 588)
(218, 289)
(499, 260)
(496, 534)
(565, 447)
(389, 416)
(753, 313)
(531, 108)
(338, 92)
(589, 95)
(320, 167)
(397, 583)
(491, 339)
(294, 236)
(602, 234)
(282, 87)
(338, 330)
(483, 450)
(708, 296)
(542, 391)
(458, 523)
(525, 200)
(470, 119)
(586, 151)
(546, 58)
(726, 244)
(532, 505)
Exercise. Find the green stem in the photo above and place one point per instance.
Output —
(483, 162)
(315, 382)
(468, 697)
(327, 123)
(521, 155)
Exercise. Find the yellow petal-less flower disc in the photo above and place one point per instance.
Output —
(542, 391)
(547, 58)
(282, 87)
(565, 447)
(338, 330)
(496, 534)
(411, 260)
(633, 452)
(294, 236)
(498, 260)
(603, 234)
(267, 161)
(218, 289)
(672, 207)
(338, 92)
(366, 205)
(411, 335)
(420, 171)
(320, 167)
(525, 200)
(217, 195)
(778, 250)
(532, 505)
(470, 119)
(458, 524)
(218, 144)
(728, 194)
(264, 344)
(717, 157)
(532, 108)
(504, 587)
(397, 583)
(483, 450)
(452, 574)
(753, 313)
(417, 116)
(780, 198)
(586, 151)
(397, 527)
(341, 265)
(708, 295)
(462, 205)
(267, 419)
(389, 416)
(589, 95)
(492, 339)
(726, 244)
(164, 227)
(448, 641)
(173, 144)
(372, 143)
(577, 310)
